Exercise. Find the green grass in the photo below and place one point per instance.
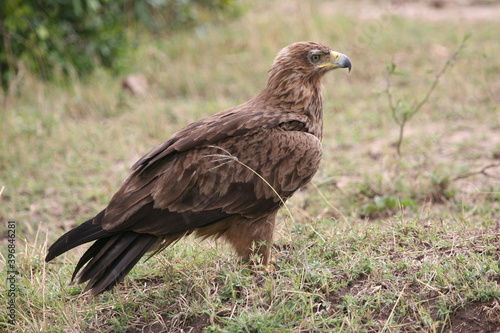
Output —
(379, 243)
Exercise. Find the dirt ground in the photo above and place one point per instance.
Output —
(481, 317)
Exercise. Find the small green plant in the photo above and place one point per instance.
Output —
(383, 204)
(402, 111)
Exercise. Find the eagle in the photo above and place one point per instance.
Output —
(224, 176)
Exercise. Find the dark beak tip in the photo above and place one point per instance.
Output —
(348, 65)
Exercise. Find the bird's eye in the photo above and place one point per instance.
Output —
(315, 58)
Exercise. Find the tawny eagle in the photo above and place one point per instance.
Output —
(224, 176)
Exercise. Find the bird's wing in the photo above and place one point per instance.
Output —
(203, 180)
(233, 122)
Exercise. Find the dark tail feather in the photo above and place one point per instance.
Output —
(84, 233)
(109, 259)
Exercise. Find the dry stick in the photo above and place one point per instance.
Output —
(480, 172)
(386, 325)
(407, 116)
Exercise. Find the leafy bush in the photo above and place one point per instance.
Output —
(63, 36)
(60, 36)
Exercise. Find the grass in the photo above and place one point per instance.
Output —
(380, 243)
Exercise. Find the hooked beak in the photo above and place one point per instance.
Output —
(337, 60)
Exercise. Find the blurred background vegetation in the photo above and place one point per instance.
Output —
(72, 37)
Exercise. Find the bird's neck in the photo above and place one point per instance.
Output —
(315, 113)
(302, 95)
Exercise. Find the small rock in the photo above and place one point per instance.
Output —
(137, 84)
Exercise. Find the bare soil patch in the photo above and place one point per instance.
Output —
(481, 317)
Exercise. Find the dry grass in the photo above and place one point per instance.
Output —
(380, 243)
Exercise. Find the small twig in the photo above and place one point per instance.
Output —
(408, 114)
(388, 92)
(443, 70)
(479, 172)
(402, 125)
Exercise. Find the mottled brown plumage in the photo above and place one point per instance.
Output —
(218, 177)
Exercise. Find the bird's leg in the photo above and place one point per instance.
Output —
(252, 237)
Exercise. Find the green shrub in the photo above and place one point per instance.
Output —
(53, 37)
(59, 36)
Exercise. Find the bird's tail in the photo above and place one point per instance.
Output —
(109, 259)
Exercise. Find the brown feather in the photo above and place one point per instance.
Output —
(224, 176)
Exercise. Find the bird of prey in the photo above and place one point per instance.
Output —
(224, 176)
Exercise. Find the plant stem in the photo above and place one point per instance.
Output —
(403, 120)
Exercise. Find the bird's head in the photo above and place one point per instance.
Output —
(309, 58)
(304, 61)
